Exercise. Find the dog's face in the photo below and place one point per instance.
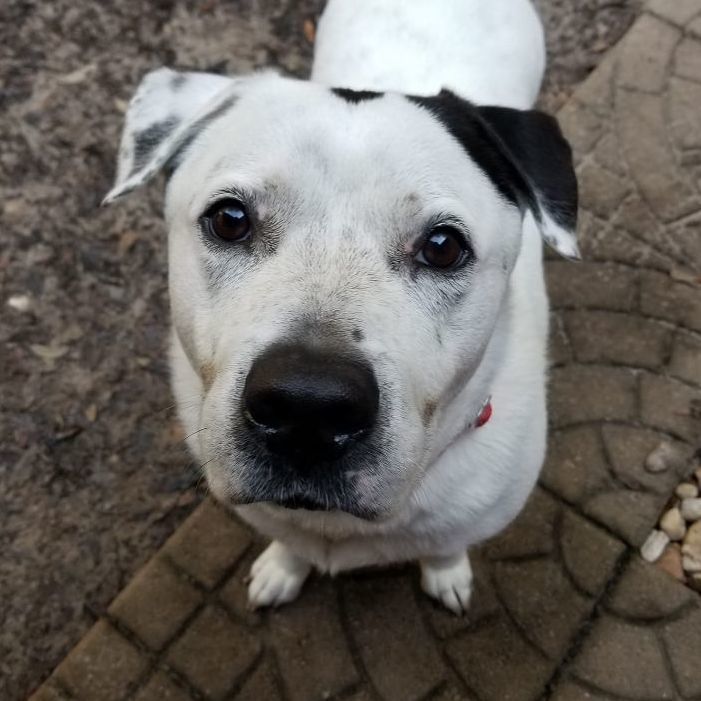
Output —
(338, 262)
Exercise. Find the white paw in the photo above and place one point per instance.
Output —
(276, 576)
(449, 581)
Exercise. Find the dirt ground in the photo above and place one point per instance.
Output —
(93, 471)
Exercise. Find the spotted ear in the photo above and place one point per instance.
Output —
(534, 143)
(526, 157)
(165, 115)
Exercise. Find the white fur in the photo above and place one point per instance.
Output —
(491, 52)
(342, 176)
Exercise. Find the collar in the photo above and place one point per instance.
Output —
(485, 413)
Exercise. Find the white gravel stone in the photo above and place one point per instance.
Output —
(691, 509)
(687, 490)
(21, 303)
(691, 547)
(662, 458)
(673, 524)
(654, 546)
(691, 564)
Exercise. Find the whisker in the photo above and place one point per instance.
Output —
(190, 435)
(185, 405)
(204, 464)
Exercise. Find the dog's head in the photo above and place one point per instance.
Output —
(338, 265)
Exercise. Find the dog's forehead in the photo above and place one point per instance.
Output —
(310, 136)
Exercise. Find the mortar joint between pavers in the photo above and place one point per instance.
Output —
(577, 510)
(667, 661)
(558, 528)
(155, 659)
(676, 615)
(518, 626)
(581, 634)
(441, 641)
(608, 459)
(639, 313)
(271, 652)
(683, 28)
(219, 584)
(619, 422)
(246, 675)
(353, 650)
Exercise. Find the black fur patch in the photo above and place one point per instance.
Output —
(194, 131)
(147, 140)
(522, 152)
(177, 82)
(355, 96)
(536, 142)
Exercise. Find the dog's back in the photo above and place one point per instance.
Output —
(488, 51)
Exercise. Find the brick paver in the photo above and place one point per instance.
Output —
(563, 607)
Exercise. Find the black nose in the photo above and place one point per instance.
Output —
(309, 404)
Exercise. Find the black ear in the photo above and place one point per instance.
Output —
(525, 155)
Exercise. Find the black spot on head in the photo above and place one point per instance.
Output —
(522, 152)
(355, 96)
(461, 119)
(428, 412)
(358, 334)
(177, 82)
(147, 140)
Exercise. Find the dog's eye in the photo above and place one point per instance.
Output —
(444, 248)
(228, 220)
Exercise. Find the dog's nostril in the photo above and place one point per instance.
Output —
(333, 402)
(306, 402)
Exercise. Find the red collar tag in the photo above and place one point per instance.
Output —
(484, 415)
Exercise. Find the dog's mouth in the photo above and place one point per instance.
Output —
(304, 502)
(319, 503)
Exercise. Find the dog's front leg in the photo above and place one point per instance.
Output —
(448, 580)
(276, 576)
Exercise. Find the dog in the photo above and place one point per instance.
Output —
(359, 317)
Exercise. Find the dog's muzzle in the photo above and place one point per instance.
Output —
(309, 405)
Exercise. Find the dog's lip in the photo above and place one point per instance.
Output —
(302, 502)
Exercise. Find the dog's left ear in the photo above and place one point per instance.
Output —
(525, 155)
(168, 110)
(535, 145)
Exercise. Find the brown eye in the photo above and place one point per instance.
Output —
(444, 248)
(229, 221)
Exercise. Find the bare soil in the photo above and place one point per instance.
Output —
(93, 471)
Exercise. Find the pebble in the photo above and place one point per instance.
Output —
(671, 561)
(691, 564)
(695, 581)
(692, 542)
(697, 474)
(691, 549)
(673, 524)
(662, 458)
(687, 490)
(654, 546)
(691, 509)
(20, 303)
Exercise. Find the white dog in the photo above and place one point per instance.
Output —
(356, 283)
